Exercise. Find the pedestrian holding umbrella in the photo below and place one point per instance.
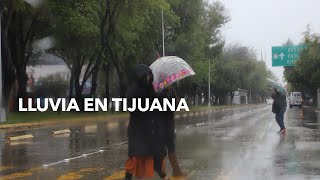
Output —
(279, 104)
(166, 71)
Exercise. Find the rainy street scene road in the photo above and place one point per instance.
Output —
(240, 143)
(159, 90)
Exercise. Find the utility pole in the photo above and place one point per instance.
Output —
(265, 56)
(163, 50)
(209, 84)
(3, 117)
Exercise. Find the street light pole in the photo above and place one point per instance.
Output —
(209, 98)
(163, 50)
(2, 108)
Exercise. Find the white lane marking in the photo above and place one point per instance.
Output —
(83, 155)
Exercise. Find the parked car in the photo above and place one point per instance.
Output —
(295, 99)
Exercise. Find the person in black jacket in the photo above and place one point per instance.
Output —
(144, 148)
(279, 107)
(166, 123)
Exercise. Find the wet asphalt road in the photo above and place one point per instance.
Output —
(242, 143)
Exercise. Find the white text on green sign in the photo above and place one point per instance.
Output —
(286, 55)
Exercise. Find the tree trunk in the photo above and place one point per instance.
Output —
(222, 99)
(106, 68)
(94, 81)
(22, 79)
(231, 97)
(120, 73)
(76, 69)
(95, 73)
(314, 99)
(194, 92)
(216, 98)
(71, 85)
(122, 83)
(206, 97)
(8, 70)
(199, 98)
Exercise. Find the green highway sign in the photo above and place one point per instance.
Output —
(286, 55)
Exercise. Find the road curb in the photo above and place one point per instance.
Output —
(52, 122)
(102, 118)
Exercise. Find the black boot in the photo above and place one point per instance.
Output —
(128, 176)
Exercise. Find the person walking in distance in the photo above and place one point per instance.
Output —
(279, 107)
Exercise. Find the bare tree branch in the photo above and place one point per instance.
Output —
(63, 57)
(82, 61)
(29, 53)
(30, 29)
(88, 71)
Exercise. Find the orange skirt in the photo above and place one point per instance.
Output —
(142, 167)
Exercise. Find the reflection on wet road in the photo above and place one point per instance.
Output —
(242, 143)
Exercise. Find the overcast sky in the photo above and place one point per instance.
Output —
(262, 24)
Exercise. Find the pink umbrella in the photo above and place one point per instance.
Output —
(168, 70)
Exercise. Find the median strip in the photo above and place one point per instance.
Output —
(71, 119)
(65, 131)
(15, 138)
(4, 168)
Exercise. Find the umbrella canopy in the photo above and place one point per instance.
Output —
(168, 70)
(276, 85)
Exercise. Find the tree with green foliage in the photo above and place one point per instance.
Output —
(305, 76)
(76, 30)
(197, 40)
(113, 35)
(239, 68)
(135, 36)
(22, 24)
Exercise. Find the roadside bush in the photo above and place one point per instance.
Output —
(51, 86)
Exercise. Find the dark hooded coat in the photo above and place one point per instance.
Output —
(280, 102)
(143, 131)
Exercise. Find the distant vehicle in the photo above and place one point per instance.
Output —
(295, 99)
